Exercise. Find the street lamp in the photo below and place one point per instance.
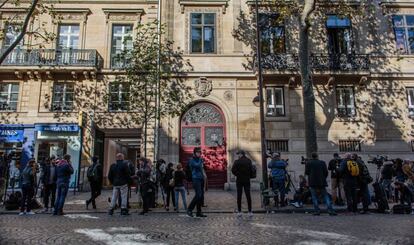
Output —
(259, 100)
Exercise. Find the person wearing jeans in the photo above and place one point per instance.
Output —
(242, 169)
(63, 172)
(197, 173)
(28, 183)
(49, 183)
(119, 176)
(179, 188)
(317, 172)
(278, 171)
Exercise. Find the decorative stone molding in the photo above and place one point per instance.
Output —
(203, 87)
(18, 74)
(223, 4)
(219, 25)
(123, 14)
(13, 14)
(73, 14)
(228, 95)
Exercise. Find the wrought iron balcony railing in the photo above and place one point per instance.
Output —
(340, 62)
(54, 57)
(319, 62)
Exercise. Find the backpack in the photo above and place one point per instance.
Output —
(353, 168)
(253, 171)
(92, 172)
(13, 201)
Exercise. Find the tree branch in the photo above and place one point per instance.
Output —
(22, 33)
(4, 3)
(308, 9)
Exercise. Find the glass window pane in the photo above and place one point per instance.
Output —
(411, 39)
(400, 39)
(4, 87)
(208, 39)
(269, 99)
(75, 29)
(410, 20)
(64, 29)
(15, 88)
(196, 44)
(334, 21)
(117, 29)
(191, 136)
(63, 41)
(209, 19)
(74, 42)
(398, 20)
(196, 18)
(14, 97)
(279, 97)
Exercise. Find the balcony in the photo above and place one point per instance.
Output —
(54, 57)
(319, 62)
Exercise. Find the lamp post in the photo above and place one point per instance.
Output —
(261, 100)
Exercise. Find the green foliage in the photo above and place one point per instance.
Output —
(143, 73)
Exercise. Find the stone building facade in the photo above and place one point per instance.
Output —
(362, 68)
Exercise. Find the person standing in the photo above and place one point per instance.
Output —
(243, 170)
(337, 184)
(94, 175)
(179, 177)
(350, 171)
(196, 165)
(48, 180)
(169, 189)
(119, 176)
(28, 177)
(387, 172)
(278, 172)
(64, 170)
(364, 179)
(317, 173)
(144, 180)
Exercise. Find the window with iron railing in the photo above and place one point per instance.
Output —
(404, 33)
(272, 33)
(345, 101)
(349, 146)
(119, 97)
(9, 96)
(277, 145)
(339, 35)
(63, 97)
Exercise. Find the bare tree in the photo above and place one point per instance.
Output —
(33, 11)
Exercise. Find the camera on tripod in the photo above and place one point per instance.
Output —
(378, 160)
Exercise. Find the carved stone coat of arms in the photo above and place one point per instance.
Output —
(203, 87)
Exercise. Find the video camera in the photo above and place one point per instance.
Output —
(378, 160)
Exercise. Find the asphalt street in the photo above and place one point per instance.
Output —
(174, 228)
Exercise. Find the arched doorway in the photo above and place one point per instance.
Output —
(203, 125)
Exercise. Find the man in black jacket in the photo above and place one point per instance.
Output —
(242, 169)
(47, 178)
(317, 173)
(94, 175)
(337, 183)
(119, 176)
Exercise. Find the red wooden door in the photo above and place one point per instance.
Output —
(203, 125)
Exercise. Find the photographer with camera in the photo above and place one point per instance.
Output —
(337, 183)
(278, 171)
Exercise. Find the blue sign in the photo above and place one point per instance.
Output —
(57, 128)
(11, 135)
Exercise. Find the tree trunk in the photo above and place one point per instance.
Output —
(23, 32)
(307, 83)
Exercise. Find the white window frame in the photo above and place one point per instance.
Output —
(70, 35)
(340, 104)
(65, 93)
(272, 104)
(119, 93)
(410, 100)
(9, 97)
(124, 35)
(405, 27)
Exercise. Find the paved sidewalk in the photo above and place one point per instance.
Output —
(217, 201)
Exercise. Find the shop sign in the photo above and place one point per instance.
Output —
(11, 135)
(58, 128)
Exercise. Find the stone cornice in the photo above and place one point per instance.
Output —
(389, 4)
(186, 3)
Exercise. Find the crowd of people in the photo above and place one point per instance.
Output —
(350, 179)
